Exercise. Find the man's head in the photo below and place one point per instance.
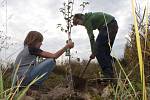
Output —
(78, 19)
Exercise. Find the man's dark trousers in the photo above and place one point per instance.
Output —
(103, 49)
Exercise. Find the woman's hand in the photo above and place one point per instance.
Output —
(70, 45)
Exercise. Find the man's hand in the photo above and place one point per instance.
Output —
(92, 56)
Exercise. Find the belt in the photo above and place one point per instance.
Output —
(104, 26)
(113, 20)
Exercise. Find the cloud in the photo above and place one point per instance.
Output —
(44, 15)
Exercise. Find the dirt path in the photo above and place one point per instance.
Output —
(92, 90)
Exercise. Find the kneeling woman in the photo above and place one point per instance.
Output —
(29, 69)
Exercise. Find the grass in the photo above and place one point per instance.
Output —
(140, 50)
(10, 91)
(126, 87)
(129, 70)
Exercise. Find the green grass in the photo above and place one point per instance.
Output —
(126, 88)
(10, 91)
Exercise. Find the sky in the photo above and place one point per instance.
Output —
(43, 16)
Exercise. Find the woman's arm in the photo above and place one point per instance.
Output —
(46, 54)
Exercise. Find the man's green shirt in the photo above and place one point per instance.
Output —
(94, 21)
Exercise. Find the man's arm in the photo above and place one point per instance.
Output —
(91, 37)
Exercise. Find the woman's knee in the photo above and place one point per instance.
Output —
(50, 63)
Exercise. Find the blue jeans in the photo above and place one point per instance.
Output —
(31, 72)
(103, 49)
